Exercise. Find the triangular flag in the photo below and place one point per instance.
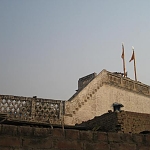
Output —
(132, 58)
(122, 56)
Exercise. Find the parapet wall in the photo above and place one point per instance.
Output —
(131, 122)
(124, 121)
(82, 82)
(28, 109)
(34, 138)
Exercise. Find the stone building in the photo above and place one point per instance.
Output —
(36, 123)
(97, 93)
(95, 96)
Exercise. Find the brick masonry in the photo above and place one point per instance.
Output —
(123, 121)
(33, 138)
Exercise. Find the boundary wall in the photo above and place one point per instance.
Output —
(34, 138)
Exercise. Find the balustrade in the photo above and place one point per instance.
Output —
(31, 109)
(128, 83)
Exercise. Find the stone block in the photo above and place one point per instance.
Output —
(7, 141)
(126, 137)
(72, 134)
(114, 137)
(25, 131)
(147, 139)
(138, 138)
(122, 146)
(101, 136)
(143, 147)
(0, 128)
(42, 132)
(35, 143)
(7, 148)
(96, 146)
(86, 135)
(9, 130)
(58, 133)
(68, 145)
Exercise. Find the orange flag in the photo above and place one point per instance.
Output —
(122, 56)
(132, 57)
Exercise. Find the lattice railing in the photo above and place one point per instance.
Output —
(32, 109)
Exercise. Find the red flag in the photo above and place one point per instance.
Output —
(132, 57)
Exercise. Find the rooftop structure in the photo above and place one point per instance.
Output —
(96, 95)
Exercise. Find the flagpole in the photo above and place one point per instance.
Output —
(124, 67)
(123, 56)
(134, 65)
(124, 64)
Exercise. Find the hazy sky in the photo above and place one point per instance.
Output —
(47, 45)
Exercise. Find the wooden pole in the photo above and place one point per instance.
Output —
(123, 57)
(133, 58)
(134, 66)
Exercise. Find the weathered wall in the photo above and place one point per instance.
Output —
(83, 104)
(99, 95)
(31, 138)
(124, 121)
(107, 122)
(133, 122)
(30, 109)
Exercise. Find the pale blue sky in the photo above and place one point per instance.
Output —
(47, 45)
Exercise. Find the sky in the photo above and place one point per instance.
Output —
(47, 45)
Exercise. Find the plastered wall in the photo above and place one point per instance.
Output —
(99, 95)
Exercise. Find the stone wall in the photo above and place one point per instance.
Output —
(124, 121)
(94, 98)
(99, 95)
(133, 122)
(83, 104)
(34, 138)
(82, 82)
(107, 122)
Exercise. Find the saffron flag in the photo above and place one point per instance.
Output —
(122, 56)
(132, 57)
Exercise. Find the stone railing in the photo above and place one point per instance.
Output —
(32, 109)
(127, 83)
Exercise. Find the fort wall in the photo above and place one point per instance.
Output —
(120, 122)
(100, 94)
(93, 98)
(34, 138)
